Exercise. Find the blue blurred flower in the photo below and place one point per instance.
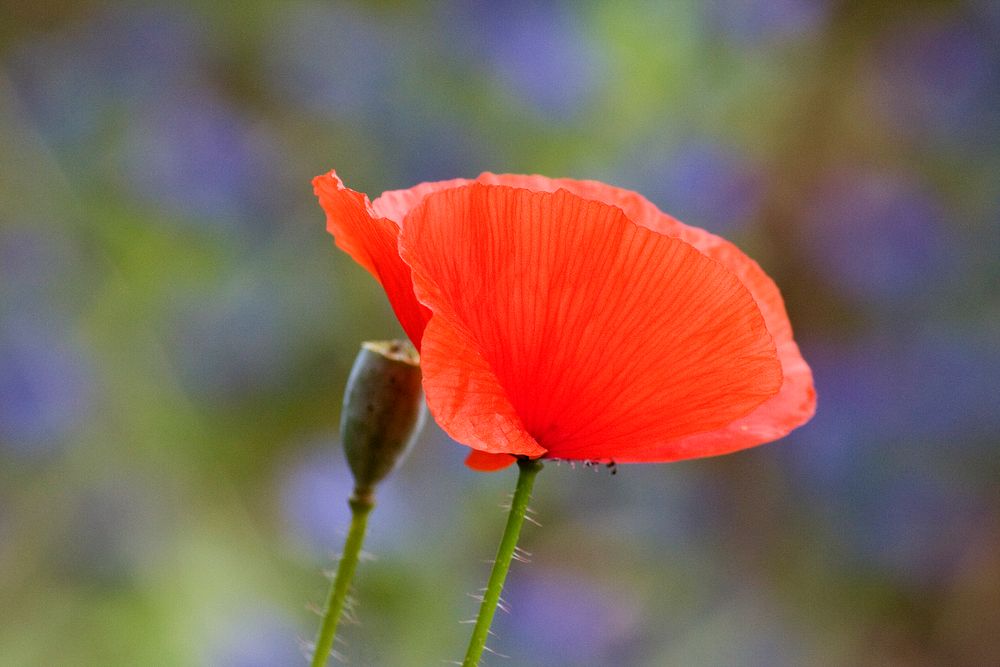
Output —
(256, 637)
(940, 78)
(540, 52)
(426, 148)
(761, 22)
(557, 618)
(314, 493)
(919, 527)
(896, 413)
(45, 386)
(889, 400)
(143, 73)
(337, 61)
(946, 390)
(143, 51)
(878, 237)
(987, 11)
(701, 183)
(855, 383)
(79, 82)
(196, 157)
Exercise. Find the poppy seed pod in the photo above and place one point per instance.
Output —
(383, 411)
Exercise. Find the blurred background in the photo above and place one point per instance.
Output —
(176, 328)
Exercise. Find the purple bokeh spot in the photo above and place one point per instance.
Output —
(336, 61)
(538, 51)
(894, 414)
(142, 52)
(855, 384)
(560, 619)
(878, 237)
(428, 149)
(703, 184)
(314, 499)
(45, 388)
(194, 156)
(184, 149)
(75, 83)
(314, 495)
(989, 12)
(920, 527)
(946, 390)
(941, 78)
(257, 638)
(886, 398)
(761, 22)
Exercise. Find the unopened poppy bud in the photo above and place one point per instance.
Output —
(383, 411)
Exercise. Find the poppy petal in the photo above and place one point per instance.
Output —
(600, 339)
(395, 204)
(459, 381)
(371, 241)
(637, 208)
(484, 462)
(795, 402)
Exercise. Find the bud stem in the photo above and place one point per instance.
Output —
(361, 505)
(518, 507)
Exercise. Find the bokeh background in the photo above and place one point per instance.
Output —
(176, 328)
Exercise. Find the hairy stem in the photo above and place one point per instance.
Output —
(361, 505)
(518, 507)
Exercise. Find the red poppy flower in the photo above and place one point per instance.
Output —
(574, 320)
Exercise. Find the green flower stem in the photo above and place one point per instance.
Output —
(518, 507)
(361, 505)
